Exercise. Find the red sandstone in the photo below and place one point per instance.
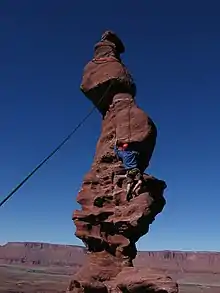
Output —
(108, 224)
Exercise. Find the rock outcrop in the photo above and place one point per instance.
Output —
(108, 224)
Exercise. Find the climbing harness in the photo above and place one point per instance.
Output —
(55, 150)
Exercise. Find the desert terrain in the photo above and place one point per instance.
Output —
(45, 268)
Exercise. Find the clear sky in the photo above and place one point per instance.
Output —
(172, 49)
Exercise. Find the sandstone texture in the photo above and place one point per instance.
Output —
(108, 224)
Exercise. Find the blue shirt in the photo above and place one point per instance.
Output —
(128, 157)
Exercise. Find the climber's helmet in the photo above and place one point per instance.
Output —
(123, 146)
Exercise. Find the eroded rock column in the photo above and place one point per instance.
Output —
(108, 224)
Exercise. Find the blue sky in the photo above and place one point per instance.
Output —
(172, 51)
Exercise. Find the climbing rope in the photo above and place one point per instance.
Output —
(55, 150)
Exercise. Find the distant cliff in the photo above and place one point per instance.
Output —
(44, 254)
(204, 262)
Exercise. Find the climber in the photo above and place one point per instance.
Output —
(130, 159)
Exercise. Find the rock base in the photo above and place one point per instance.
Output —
(106, 274)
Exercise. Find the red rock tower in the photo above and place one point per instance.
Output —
(108, 224)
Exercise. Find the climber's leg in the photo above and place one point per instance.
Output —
(131, 174)
(137, 186)
(129, 189)
(140, 179)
